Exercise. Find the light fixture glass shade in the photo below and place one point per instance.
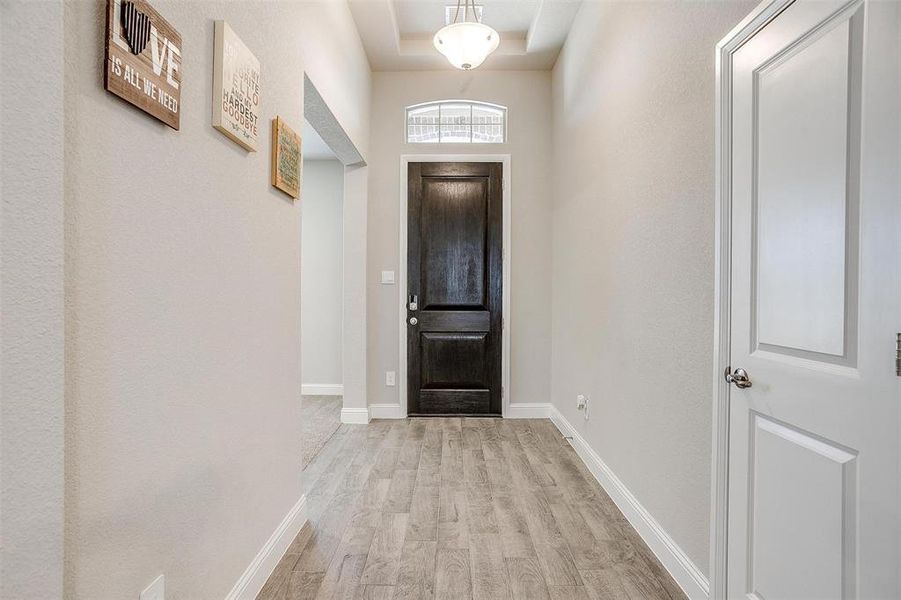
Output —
(466, 45)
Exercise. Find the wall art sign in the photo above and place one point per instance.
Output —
(286, 158)
(143, 59)
(236, 88)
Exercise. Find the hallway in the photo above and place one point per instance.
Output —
(459, 300)
(461, 508)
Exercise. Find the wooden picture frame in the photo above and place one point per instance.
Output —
(287, 158)
(143, 59)
(236, 88)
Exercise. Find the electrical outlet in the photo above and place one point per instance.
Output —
(390, 378)
(156, 590)
(581, 401)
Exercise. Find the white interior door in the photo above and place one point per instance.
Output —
(814, 486)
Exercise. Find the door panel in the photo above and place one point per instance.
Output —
(803, 183)
(814, 485)
(454, 231)
(803, 506)
(454, 267)
(454, 360)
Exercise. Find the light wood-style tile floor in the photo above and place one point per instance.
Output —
(453, 509)
(321, 417)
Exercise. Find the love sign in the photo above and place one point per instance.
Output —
(143, 59)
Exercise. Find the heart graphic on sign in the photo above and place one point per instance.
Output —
(136, 26)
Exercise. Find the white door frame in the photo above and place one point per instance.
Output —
(749, 26)
(405, 160)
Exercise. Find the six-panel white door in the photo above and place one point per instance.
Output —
(814, 486)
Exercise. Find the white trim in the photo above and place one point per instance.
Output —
(719, 519)
(254, 577)
(387, 411)
(529, 410)
(507, 252)
(322, 389)
(355, 416)
(686, 574)
(353, 244)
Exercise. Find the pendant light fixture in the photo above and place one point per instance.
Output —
(466, 44)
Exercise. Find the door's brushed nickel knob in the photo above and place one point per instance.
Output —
(739, 377)
(413, 320)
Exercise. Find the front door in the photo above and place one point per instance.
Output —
(814, 489)
(454, 267)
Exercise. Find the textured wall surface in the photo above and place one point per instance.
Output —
(31, 301)
(183, 304)
(633, 247)
(527, 96)
(321, 271)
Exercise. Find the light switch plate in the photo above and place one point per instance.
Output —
(156, 590)
(390, 378)
(388, 277)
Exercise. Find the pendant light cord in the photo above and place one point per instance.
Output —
(467, 5)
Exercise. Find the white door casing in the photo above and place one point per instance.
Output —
(807, 495)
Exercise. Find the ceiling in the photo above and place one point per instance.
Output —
(397, 34)
(314, 147)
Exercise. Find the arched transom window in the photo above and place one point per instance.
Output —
(456, 122)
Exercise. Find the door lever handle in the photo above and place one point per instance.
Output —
(739, 377)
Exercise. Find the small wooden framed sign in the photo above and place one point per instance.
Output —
(143, 59)
(286, 158)
(236, 88)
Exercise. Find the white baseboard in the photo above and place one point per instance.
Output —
(355, 416)
(530, 410)
(254, 577)
(687, 575)
(386, 411)
(322, 389)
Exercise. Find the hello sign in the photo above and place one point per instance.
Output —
(143, 59)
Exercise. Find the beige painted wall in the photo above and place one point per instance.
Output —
(183, 305)
(321, 298)
(527, 96)
(633, 247)
(31, 300)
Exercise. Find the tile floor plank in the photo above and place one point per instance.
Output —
(526, 579)
(384, 553)
(489, 573)
(567, 592)
(377, 592)
(513, 529)
(604, 584)
(423, 522)
(452, 574)
(400, 493)
(453, 528)
(416, 576)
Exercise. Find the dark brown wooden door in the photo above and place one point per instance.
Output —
(454, 267)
